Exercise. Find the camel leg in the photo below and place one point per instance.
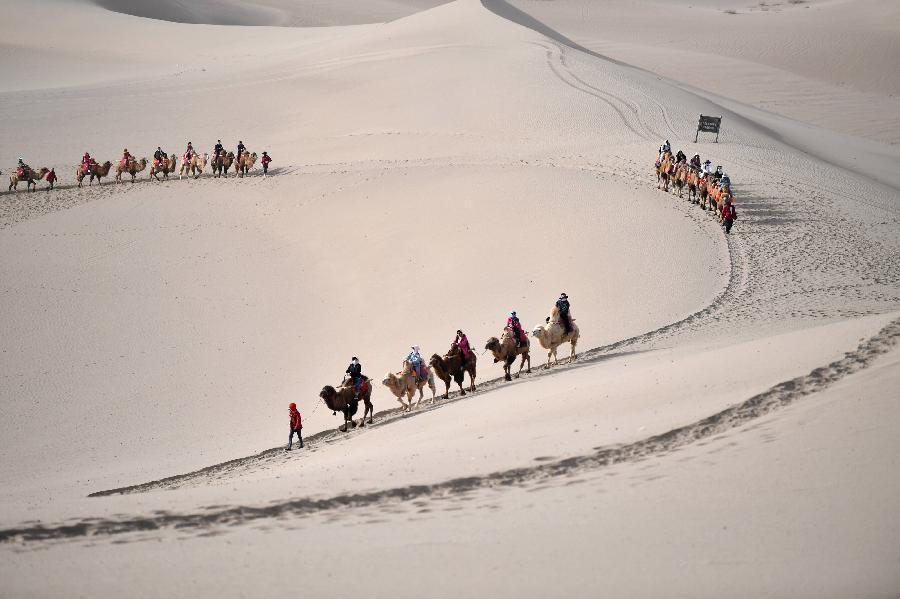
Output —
(521, 366)
(549, 356)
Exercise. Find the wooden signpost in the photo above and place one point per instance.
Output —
(708, 124)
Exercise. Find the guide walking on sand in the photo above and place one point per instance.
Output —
(296, 426)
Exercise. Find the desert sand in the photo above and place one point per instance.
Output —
(728, 429)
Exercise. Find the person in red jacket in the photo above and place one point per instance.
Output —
(265, 160)
(296, 426)
(51, 178)
(729, 215)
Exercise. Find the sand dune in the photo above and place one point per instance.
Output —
(824, 63)
(285, 13)
(728, 425)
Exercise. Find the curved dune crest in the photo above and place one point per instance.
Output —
(279, 13)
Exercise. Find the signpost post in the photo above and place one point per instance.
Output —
(708, 124)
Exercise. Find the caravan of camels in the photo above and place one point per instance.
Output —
(710, 189)
(415, 374)
(192, 164)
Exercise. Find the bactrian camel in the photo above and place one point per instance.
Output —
(552, 335)
(132, 168)
(405, 383)
(344, 400)
(164, 166)
(96, 171)
(221, 163)
(505, 350)
(452, 366)
(31, 177)
(245, 163)
(194, 166)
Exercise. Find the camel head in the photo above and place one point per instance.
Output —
(493, 346)
(328, 394)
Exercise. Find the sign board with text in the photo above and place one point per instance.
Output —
(708, 124)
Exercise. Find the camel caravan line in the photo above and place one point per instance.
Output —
(710, 189)
(130, 168)
(450, 368)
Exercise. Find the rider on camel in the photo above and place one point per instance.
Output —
(562, 306)
(159, 155)
(513, 324)
(240, 150)
(707, 169)
(695, 162)
(718, 174)
(725, 183)
(415, 360)
(189, 153)
(218, 149)
(462, 342)
(354, 371)
(126, 157)
(23, 168)
(86, 163)
(680, 157)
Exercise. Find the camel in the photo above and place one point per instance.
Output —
(132, 168)
(451, 366)
(717, 198)
(682, 174)
(164, 166)
(245, 163)
(97, 171)
(221, 164)
(194, 166)
(552, 335)
(404, 382)
(703, 191)
(505, 350)
(343, 399)
(693, 184)
(662, 171)
(31, 177)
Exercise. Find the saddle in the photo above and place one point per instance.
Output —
(365, 385)
(23, 173)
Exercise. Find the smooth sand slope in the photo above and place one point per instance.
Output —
(823, 62)
(728, 426)
(285, 13)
